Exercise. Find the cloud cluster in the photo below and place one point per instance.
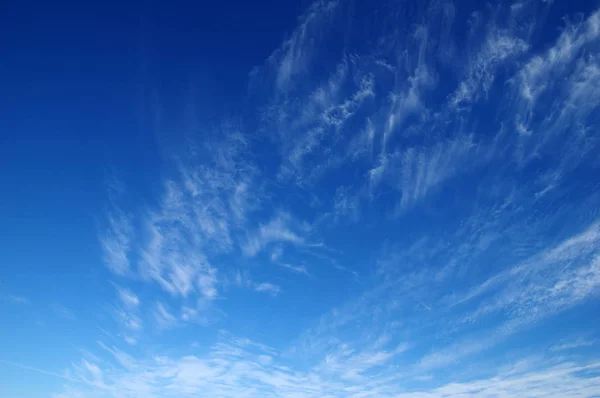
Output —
(451, 172)
(239, 367)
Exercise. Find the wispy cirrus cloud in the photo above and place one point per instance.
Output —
(580, 343)
(129, 319)
(423, 170)
(267, 288)
(277, 230)
(301, 269)
(203, 204)
(116, 242)
(297, 53)
(497, 49)
(310, 127)
(163, 317)
(127, 314)
(128, 298)
(242, 368)
(116, 239)
(536, 75)
(447, 170)
(244, 280)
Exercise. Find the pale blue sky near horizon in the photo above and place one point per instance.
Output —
(338, 198)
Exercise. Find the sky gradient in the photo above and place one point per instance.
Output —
(300, 199)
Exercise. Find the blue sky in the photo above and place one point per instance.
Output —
(277, 199)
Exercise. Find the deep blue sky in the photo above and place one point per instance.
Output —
(296, 199)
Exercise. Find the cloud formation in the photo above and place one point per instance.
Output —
(409, 210)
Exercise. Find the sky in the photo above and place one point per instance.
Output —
(338, 198)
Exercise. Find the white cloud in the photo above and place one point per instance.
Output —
(498, 48)
(277, 253)
(559, 381)
(346, 204)
(560, 263)
(238, 367)
(455, 280)
(520, 296)
(116, 242)
(207, 283)
(573, 344)
(376, 173)
(278, 230)
(309, 125)
(348, 364)
(128, 298)
(201, 208)
(130, 340)
(128, 318)
(336, 115)
(175, 272)
(295, 54)
(537, 74)
(127, 314)
(268, 288)
(415, 172)
(202, 204)
(407, 101)
(301, 269)
(163, 317)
